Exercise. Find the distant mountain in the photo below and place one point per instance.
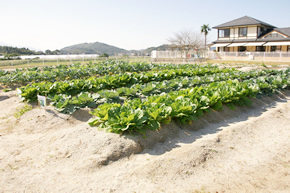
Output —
(84, 48)
(159, 48)
(101, 48)
(93, 48)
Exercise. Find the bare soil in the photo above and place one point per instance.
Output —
(241, 150)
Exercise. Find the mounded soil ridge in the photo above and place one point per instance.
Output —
(245, 149)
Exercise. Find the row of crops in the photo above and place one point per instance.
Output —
(135, 97)
(78, 71)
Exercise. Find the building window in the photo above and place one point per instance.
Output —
(260, 48)
(242, 48)
(223, 49)
(276, 48)
(243, 31)
(224, 33)
(262, 30)
(273, 48)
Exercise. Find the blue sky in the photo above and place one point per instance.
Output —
(128, 24)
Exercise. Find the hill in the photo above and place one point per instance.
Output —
(93, 48)
(83, 48)
(100, 48)
(159, 48)
(14, 50)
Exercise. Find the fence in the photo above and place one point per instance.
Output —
(254, 56)
(177, 56)
(199, 56)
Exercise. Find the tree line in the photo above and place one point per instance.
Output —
(7, 50)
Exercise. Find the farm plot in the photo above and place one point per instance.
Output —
(138, 97)
(47, 151)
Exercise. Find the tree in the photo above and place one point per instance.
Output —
(12, 56)
(185, 41)
(14, 50)
(39, 53)
(55, 52)
(104, 55)
(48, 52)
(205, 29)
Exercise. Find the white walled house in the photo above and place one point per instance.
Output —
(245, 38)
(247, 34)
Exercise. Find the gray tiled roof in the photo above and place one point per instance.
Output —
(285, 30)
(246, 20)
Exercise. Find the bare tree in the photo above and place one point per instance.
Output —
(185, 41)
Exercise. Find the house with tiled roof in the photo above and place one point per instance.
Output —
(247, 34)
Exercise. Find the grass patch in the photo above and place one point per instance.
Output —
(7, 89)
(22, 110)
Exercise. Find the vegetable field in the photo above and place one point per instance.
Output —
(135, 97)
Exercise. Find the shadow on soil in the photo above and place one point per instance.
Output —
(82, 115)
(172, 134)
(2, 98)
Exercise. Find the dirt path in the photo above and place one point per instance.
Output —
(245, 150)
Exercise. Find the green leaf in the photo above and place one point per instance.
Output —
(218, 106)
(153, 125)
